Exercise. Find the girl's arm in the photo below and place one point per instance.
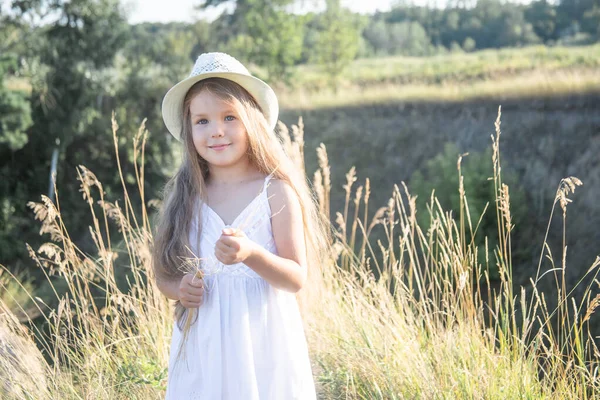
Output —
(169, 287)
(287, 270)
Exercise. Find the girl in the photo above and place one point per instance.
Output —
(244, 211)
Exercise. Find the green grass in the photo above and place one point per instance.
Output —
(408, 316)
(505, 73)
(481, 65)
(526, 85)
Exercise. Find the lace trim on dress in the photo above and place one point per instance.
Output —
(259, 217)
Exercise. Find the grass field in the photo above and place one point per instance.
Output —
(526, 84)
(504, 73)
(412, 316)
(480, 65)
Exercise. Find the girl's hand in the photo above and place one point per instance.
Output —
(191, 291)
(233, 246)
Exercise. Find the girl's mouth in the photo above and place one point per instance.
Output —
(220, 147)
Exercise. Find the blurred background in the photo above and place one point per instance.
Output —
(398, 89)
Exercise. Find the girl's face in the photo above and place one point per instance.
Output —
(218, 134)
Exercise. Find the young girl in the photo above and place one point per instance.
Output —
(243, 211)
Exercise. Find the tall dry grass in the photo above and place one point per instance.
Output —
(427, 323)
(101, 341)
(412, 315)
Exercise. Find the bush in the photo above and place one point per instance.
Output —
(441, 173)
(469, 45)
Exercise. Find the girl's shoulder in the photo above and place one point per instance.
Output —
(282, 196)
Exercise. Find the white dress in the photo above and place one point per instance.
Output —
(248, 340)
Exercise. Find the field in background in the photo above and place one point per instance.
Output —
(504, 73)
(482, 64)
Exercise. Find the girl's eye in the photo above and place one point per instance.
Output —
(229, 118)
(203, 121)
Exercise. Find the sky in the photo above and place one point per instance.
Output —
(182, 10)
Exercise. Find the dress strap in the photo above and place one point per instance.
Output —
(267, 180)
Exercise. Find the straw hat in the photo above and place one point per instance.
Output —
(217, 65)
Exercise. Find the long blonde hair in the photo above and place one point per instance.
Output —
(265, 151)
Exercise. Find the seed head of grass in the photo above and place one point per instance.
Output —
(566, 186)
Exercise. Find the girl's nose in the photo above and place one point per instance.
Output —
(218, 130)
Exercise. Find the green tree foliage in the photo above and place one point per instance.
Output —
(378, 38)
(591, 21)
(513, 29)
(337, 41)
(409, 38)
(469, 44)
(416, 30)
(276, 39)
(75, 86)
(15, 119)
(542, 16)
(490, 23)
(15, 113)
(575, 15)
(263, 32)
(406, 38)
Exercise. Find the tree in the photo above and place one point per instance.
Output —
(452, 20)
(264, 33)
(591, 21)
(377, 35)
(276, 39)
(15, 113)
(542, 16)
(513, 30)
(409, 38)
(15, 119)
(337, 43)
(469, 44)
(68, 70)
